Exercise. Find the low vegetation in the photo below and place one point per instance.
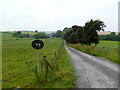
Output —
(105, 49)
(19, 64)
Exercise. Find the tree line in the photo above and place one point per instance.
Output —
(86, 34)
(38, 35)
(20, 35)
(112, 36)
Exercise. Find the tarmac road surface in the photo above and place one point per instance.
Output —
(93, 72)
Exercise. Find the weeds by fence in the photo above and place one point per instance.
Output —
(45, 69)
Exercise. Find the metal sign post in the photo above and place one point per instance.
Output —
(37, 44)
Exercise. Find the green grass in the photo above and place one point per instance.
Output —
(109, 44)
(19, 62)
(105, 49)
(7, 36)
(0, 60)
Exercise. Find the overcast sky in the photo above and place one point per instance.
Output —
(56, 14)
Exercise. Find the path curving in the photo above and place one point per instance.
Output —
(91, 71)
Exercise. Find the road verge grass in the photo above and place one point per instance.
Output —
(62, 76)
(108, 53)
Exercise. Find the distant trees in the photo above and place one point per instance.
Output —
(38, 35)
(85, 34)
(112, 36)
(59, 33)
(41, 35)
(18, 34)
(36, 30)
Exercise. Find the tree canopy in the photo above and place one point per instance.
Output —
(66, 29)
(85, 34)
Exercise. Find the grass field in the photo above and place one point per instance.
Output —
(19, 61)
(109, 44)
(105, 49)
(0, 60)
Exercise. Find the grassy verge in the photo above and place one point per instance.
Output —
(0, 60)
(19, 61)
(65, 73)
(101, 50)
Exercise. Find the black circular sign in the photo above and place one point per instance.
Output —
(37, 44)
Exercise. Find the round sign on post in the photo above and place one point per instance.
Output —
(37, 44)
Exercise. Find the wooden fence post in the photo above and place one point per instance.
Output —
(47, 66)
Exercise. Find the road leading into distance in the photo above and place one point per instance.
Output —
(93, 72)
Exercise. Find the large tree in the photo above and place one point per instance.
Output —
(85, 34)
(69, 36)
(91, 28)
(80, 35)
(66, 29)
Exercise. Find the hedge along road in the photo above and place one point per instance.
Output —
(93, 72)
